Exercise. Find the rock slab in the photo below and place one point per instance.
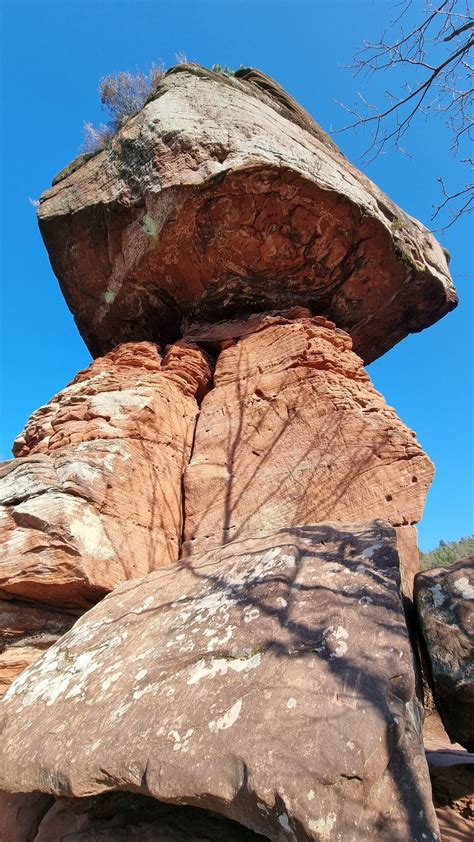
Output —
(270, 681)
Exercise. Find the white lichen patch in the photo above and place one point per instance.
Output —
(323, 826)
(437, 595)
(464, 587)
(111, 679)
(62, 672)
(221, 666)
(217, 642)
(228, 718)
(339, 634)
(180, 741)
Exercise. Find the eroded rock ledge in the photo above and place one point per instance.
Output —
(222, 197)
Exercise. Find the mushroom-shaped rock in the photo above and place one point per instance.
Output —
(444, 600)
(269, 680)
(223, 197)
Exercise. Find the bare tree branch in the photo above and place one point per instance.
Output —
(435, 54)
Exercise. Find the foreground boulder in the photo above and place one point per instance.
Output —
(444, 601)
(94, 496)
(270, 681)
(223, 197)
(294, 433)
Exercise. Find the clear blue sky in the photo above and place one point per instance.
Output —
(54, 54)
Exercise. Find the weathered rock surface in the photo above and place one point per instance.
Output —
(21, 815)
(223, 197)
(270, 681)
(94, 497)
(294, 433)
(444, 600)
(26, 631)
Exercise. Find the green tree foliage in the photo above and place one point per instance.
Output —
(447, 553)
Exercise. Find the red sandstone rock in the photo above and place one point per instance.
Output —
(270, 680)
(444, 601)
(95, 495)
(21, 815)
(222, 197)
(25, 632)
(452, 780)
(294, 433)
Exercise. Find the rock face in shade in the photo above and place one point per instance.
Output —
(114, 817)
(25, 632)
(445, 604)
(198, 684)
(21, 815)
(94, 497)
(293, 432)
(223, 197)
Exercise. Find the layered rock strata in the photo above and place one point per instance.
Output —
(293, 433)
(198, 683)
(445, 599)
(223, 197)
(94, 495)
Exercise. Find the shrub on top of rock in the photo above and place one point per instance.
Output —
(122, 95)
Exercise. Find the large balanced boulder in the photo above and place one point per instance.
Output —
(444, 599)
(294, 433)
(94, 496)
(223, 197)
(270, 681)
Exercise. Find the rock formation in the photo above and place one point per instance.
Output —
(94, 496)
(225, 482)
(444, 599)
(198, 684)
(220, 198)
(293, 432)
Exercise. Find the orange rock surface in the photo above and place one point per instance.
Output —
(94, 496)
(294, 433)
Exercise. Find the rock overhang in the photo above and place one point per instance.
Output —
(222, 197)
